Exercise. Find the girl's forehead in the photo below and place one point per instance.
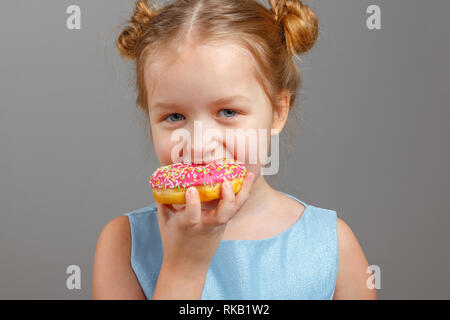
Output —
(202, 70)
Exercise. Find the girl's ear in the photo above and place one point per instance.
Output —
(281, 110)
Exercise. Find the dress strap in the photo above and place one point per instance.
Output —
(302, 202)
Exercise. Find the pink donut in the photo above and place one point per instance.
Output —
(169, 183)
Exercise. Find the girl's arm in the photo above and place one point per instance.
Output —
(351, 282)
(113, 276)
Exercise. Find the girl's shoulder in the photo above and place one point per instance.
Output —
(117, 235)
(113, 277)
(314, 213)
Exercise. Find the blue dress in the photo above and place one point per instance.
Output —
(297, 264)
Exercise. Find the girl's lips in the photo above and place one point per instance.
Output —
(205, 162)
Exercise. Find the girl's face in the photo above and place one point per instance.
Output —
(212, 87)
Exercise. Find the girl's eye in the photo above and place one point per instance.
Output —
(175, 117)
(228, 112)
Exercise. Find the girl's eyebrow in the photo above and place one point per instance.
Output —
(217, 102)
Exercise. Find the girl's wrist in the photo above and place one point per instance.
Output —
(184, 270)
(178, 282)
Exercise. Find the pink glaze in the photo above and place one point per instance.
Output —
(183, 175)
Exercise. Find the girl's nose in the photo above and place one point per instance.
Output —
(205, 152)
(204, 143)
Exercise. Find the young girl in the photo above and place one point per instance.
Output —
(227, 64)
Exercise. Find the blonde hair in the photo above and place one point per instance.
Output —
(273, 36)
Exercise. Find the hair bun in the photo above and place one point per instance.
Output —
(129, 38)
(299, 23)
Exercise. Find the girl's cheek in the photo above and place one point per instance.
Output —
(162, 149)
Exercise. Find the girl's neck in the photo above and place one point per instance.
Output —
(259, 200)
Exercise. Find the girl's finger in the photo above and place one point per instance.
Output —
(192, 213)
(243, 194)
(179, 206)
(225, 207)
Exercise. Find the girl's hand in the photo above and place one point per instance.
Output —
(190, 236)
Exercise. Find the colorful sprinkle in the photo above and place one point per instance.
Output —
(183, 175)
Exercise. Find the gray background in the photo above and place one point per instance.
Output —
(75, 153)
